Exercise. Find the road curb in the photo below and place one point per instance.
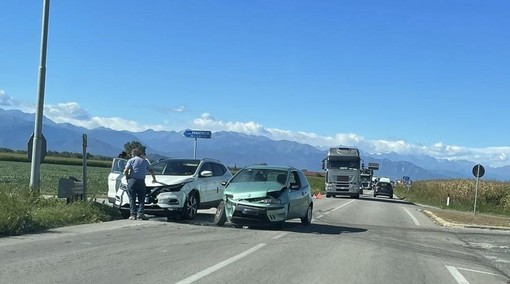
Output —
(445, 223)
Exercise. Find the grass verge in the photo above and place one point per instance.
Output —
(24, 211)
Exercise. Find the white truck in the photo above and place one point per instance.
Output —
(343, 172)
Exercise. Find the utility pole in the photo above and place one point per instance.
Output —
(35, 170)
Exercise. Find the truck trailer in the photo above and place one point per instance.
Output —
(342, 172)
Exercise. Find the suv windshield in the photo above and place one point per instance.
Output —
(176, 167)
(260, 175)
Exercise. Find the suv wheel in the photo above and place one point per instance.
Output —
(190, 206)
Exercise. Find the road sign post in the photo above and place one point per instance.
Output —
(478, 172)
(188, 133)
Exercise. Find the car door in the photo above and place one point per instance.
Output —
(206, 183)
(219, 175)
(298, 195)
(115, 177)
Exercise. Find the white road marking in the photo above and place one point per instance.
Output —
(478, 271)
(412, 217)
(456, 275)
(334, 209)
(279, 236)
(220, 265)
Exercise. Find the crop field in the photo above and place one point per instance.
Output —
(18, 173)
(493, 197)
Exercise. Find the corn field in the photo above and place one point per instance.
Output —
(493, 197)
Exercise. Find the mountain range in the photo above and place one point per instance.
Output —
(232, 148)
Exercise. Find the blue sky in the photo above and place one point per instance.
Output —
(422, 77)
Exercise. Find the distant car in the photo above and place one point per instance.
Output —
(184, 186)
(262, 195)
(383, 187)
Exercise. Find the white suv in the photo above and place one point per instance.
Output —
(183, 187)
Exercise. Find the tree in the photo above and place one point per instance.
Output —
(133, 145)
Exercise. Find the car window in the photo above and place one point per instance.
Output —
(385, 185)
(294, 180)
(260, 175)
(206, 167)
(218, 169)
(118, 165)
(175, 167)
(303, 179)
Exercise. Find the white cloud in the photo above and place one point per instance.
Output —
(6, 100)
(492, 156)
(64, 111)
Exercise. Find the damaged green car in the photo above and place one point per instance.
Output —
(262, 195)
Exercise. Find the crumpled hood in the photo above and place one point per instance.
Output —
(167, 180)
(243, 190)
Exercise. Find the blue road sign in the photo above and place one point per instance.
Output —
(196, 134)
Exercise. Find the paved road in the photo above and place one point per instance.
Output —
(367, 240)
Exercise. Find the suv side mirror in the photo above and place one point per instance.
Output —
(206, 174)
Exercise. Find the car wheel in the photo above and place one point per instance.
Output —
(391, 196)
(308, 217)
(328, 196)
(375, 195)
(190, 207)
(220, 217)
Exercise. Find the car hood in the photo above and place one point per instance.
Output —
(242, 190)
(168, 180)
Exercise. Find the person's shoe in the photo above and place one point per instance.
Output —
(142, 217)
(132, 217)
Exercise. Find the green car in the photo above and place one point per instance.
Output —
(261, 195)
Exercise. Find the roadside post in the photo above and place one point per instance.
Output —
(188, 133)
(84, 167)
(478, 172)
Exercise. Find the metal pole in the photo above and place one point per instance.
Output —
(476, 187)
(35, 170)
(195, 149)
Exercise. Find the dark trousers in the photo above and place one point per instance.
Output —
(136, 189)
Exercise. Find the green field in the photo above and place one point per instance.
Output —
(18, 173)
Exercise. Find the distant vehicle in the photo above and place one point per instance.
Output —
(184, 186)
(342, 166)
(262, 195)
(384, 187)
(366, 179)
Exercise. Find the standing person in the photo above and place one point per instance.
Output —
(135, 171)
